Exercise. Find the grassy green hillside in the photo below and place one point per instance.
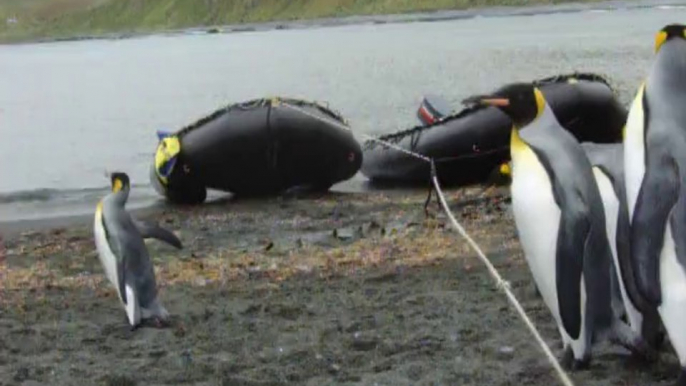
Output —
(27, 19)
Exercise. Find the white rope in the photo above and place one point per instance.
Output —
(504, 285)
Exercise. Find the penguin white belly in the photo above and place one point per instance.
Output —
(133, 310)
(673, 287)
(611, 206)
(107, 258)
(537, 218)
(633, 151)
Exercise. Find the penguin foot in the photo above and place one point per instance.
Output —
(658, 341)
(581, 364)
(567, 357)
(572, 364)
(160, 322)
(681, 381)
(644, 353)
(640, 349)
(623, 336)
(653, 332)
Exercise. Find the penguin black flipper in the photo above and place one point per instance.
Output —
(572, 247)
(150, 230)
(609, 158)
(572, 242)
(627, 268)
(121, 276)
(657, 197)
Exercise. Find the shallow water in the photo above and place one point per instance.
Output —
(71, 110)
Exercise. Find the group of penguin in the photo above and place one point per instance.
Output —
(602, 226)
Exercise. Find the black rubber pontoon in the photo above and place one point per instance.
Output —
(258, 147)
(469, 145)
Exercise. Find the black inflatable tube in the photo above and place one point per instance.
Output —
(467, 146)
(261, 147)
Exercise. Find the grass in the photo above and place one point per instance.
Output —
(38, 19)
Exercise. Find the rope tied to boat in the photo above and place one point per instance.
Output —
(500, 282)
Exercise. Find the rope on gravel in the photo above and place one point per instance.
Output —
(500, 283)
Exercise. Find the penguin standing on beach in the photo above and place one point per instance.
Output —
(655, 163)
(607, 160)
(560, 220)
(119, 239)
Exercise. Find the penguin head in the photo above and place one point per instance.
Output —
(522, 102)
(120, 182)
(166, 156)
(668, 32)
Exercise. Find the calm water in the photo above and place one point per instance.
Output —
(71, 110)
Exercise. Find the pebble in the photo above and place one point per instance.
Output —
(506, 351)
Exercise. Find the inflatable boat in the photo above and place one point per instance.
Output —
(467, 146)
(259, 147)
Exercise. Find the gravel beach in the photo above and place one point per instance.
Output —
(349, 289)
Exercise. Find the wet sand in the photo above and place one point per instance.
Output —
(350, 289)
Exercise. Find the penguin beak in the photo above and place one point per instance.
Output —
(486, 100)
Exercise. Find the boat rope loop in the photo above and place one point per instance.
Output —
(500, 283)
(251, 104)
(417, 130)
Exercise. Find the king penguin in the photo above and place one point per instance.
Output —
(607, 160)
(655, 162)
(119, 239)
(560, 221)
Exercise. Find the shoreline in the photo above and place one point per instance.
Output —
(13, 228)
(328, 22)
(356, 186)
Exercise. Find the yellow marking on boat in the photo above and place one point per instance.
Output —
(168, 148)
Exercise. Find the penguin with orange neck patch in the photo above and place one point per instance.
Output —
(655, 165)
(559, 215)
(119, 239)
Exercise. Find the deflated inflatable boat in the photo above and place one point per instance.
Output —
(262, 146)
(468, 145)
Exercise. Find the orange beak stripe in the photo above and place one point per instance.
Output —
(496, 101)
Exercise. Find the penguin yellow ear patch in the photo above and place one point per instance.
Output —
(117, 185)
(660, 39)
(540, 102)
